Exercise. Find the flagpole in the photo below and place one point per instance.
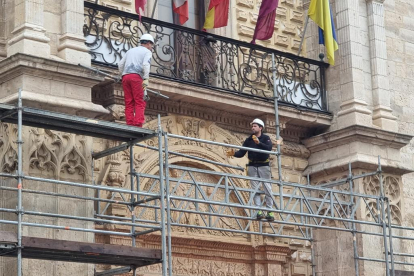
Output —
(153, 9)
(303, 35)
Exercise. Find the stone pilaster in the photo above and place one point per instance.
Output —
(3, 52)
(382, 114)
(29, 33)
(72, 46)
(353, 105)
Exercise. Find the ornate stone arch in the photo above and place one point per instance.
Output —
(147, 161)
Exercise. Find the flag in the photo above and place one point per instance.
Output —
(217, 15)
(266, 20)
(320, 12)
(181, 8)
(140, 4)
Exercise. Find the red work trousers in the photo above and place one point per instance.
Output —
(134, 100)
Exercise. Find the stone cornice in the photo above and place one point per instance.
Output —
(181, 92)
(376, 1)
(230, 117)
(19, 64)
(250, 107)
(357, 133)
(20, 68)
(209, 248)
(360, 160)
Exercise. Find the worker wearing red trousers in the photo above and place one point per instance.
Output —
(135, 68)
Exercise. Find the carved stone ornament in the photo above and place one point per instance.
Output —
(392, 190)
(58, 153)
(8, 148)
(197, 240)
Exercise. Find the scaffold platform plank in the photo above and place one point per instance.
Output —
(74, 124)
(80, 252)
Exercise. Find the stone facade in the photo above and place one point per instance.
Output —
(288, 26)
(41, 43)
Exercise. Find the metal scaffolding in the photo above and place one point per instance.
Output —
(181, 200)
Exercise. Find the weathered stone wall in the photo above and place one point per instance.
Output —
(55, 155)
(39, 38)
(288, 26)
(399, 26)
(369, 86)
(242, 19)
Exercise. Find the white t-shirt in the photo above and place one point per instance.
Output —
(136, 61)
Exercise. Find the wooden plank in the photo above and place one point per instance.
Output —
(89, 248)
(81, 252)
(8, 237)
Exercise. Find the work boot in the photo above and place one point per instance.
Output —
(270, 216)
(260, 215)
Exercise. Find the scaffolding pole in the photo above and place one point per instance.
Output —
(19, 183)
(390, 237)
(310, 218)
(382, 214)
(168, 200)
(311, 240)
(276, 108)
(131, 178)
(193, 157)
(162, 195)
(352, 215)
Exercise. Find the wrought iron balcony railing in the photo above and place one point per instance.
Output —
(199, 58)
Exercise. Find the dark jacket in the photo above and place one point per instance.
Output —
(256, 158)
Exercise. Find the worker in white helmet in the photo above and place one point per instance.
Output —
(258, 165)
(134, 68)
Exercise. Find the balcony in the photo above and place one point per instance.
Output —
(198, 58)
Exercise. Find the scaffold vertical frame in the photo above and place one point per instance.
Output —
(300, 208)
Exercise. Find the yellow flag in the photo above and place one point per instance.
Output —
(320, 13)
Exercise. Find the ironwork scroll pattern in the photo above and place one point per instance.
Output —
(196, 57)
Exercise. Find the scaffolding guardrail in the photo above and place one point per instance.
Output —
(184, 201)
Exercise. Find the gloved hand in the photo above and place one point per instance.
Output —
(255, 139)
(230, 152)
(145, 84)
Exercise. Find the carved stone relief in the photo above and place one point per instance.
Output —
(8, 148)
(370, 185)
(146, 162)
(54, 152)
(196, 267)
(392, 190)
(58, 153)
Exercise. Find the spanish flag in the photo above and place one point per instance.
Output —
(320, 13)
(217, 15)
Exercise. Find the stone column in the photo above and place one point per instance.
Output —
(3, 52)
(29, 34)
(382, 114)
(353, 105)
(72, 46)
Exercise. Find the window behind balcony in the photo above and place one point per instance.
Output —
(196, 13)
(181, 54)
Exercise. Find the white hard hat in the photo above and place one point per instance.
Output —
(147, 37)
(258, 121)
